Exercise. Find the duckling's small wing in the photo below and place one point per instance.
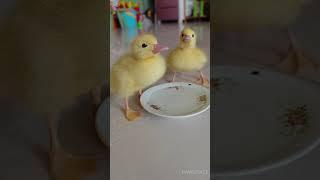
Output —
(121, 83)
(200, 55)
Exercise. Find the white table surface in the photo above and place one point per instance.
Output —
(157, 148)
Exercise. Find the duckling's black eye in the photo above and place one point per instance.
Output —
(192, 35)
(182, 35)
(144, 45)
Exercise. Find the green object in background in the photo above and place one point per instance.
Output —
(196, 5)
(139, 25)
(201, 8)
(195, 8)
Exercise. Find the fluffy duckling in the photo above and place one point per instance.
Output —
(137, 70)
(187, 57)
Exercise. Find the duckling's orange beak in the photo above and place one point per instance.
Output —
(158, 48)
(186, 38)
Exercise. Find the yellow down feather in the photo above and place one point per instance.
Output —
(138, 69)
(186, 56)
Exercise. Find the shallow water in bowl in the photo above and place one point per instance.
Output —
(183, 101)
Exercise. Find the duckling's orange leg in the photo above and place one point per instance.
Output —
(295, 60)
(130, 114)
(173, 77)
(139, 96)
(203, 80)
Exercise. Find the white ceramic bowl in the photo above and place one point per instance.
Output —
(176, 100)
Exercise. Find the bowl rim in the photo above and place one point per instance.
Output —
(164, 85)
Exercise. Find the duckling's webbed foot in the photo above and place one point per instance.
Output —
(130, 114)
(203, 80)
(295, 61)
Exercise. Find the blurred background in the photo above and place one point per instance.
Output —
(129, 17)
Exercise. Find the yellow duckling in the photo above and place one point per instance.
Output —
(136, 70)
(187, 57)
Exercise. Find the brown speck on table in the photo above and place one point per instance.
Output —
(155, 107)
(202, 99)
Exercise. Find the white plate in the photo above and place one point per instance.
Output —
(176, 100)
(247, 129)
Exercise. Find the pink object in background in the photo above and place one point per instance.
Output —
(167, 9)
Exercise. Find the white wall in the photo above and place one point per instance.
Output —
(181, 11)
